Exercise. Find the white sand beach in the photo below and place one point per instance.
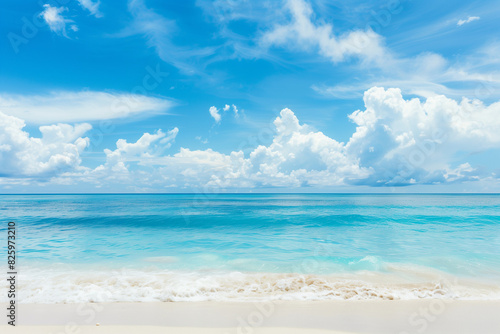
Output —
(158, 330)
(400, 317)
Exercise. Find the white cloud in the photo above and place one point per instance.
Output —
(66, 106)
(144, 151)
(401, 140)
(397, 142)
(468, 20)
(57, 151)
(159, 32)
(301, 156)
(429, 74)
(57, 23)
(91, 6)
(137, 150)
(298, 156)
(303, 33)
(214, 112)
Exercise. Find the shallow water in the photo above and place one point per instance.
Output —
(288, 246)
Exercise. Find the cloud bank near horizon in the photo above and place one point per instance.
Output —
(397, 142)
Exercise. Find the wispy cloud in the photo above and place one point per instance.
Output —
(468, 20)
(428, 74)
(55, 20)
(91, 6)
(237, 45)
(297, 27)
(235, 109)
(67, 106)
(159, 32)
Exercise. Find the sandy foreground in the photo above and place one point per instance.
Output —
(294, 317)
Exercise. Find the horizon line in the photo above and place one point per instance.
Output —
(265, 193)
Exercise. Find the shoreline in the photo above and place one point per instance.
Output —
(161, 330)
(402, 316)
(152, 284)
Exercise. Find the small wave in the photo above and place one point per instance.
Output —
(126, 285)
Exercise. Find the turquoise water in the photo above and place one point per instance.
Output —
(333, 237)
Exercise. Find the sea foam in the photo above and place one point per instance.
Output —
(131, 285)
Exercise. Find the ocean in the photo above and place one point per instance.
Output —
(241, 247)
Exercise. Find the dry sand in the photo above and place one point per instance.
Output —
(399, 317)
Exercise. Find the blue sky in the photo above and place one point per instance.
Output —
(214, 96)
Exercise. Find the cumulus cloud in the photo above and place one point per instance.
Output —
(57, 151)
(144, 151)
(468, 20)
(302, 32)
(301, 156)
(66, 106)
(397, 142)
(214, 112)
(91, 6)
(298, 156)
(407, 141)
(55, 20)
